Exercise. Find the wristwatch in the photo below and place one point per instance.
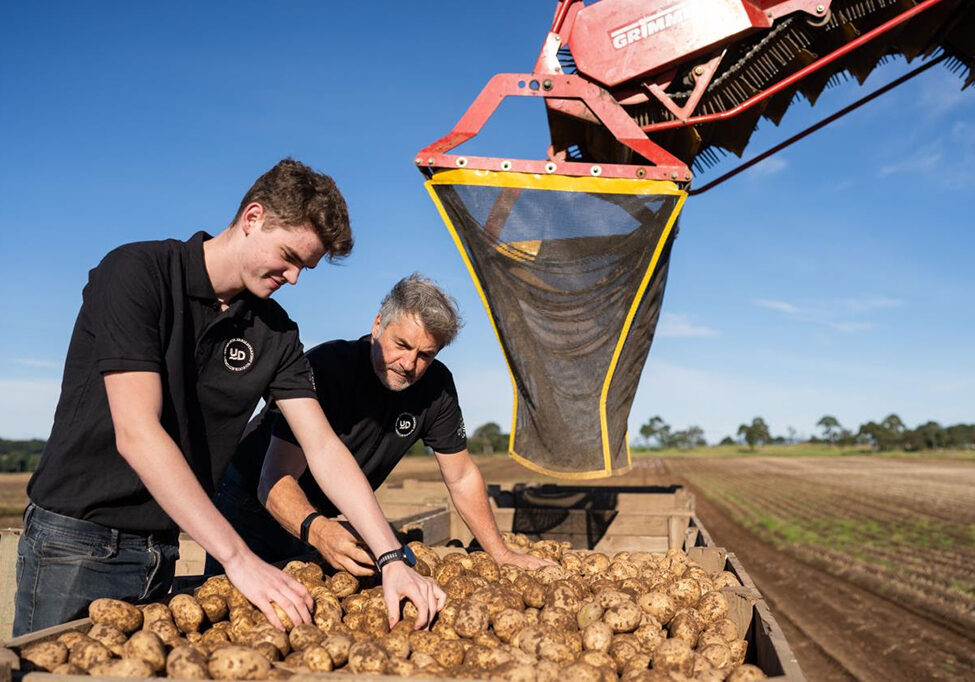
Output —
(404, 554)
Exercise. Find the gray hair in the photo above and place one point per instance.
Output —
(418, 295)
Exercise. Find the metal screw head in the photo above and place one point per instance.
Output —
(595, 171)
(461, 162)
(546, 84)
(698, 70)
(419, 160)
(673, 176)
(557, 38)
(820, 9)
(687, 176)
(550, 167)
(505, 165)
(430, 161)
(641, 173)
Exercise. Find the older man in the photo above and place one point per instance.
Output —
(381, 393)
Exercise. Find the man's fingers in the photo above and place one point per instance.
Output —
(272, 617)
(360, 555)
(392, 607)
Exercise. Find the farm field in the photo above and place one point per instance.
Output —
(868, 563)
(13, 499)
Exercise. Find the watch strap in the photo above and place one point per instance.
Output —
(306, 524)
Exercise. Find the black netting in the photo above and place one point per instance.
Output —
(560, 271)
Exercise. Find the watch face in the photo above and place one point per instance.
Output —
(409, 557)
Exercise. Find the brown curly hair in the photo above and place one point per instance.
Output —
(295, 195)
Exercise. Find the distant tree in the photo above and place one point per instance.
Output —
(488, 438)
(691, 437)
(830, 426)
(755, 433)
(727, 440)
(879, 436)
(792, 437)
(931, 435)
(656, 429)
(960, 436)
(893, 423)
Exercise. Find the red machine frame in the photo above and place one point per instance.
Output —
(582, 98)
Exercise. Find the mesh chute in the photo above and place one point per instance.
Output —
(572, 272)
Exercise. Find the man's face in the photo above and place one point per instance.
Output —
(274, 256)
(402, 352)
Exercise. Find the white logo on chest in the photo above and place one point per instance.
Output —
(238, 355)
(405, 425)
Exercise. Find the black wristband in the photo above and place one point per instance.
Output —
(306, 524)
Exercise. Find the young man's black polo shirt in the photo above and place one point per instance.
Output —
(376, 424)
(150, 307)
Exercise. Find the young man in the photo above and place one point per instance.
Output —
(381, 394)
(175, 344)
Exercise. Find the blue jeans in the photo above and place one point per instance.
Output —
(255, 525)
(64, 563)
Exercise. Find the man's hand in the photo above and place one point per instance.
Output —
(399, 582)
(262, 584)
(524, 561)
(340, 547)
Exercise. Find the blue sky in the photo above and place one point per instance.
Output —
(834, 278)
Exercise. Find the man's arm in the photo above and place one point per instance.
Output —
(286, 501)
(340, 478)
(135, 401)
(469, 495)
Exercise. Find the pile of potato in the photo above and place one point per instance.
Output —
(634, 616)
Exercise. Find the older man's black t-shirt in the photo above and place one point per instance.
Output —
(150, 307)
(376, 424)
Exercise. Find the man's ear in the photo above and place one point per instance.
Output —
(252, 217)
(375, 326)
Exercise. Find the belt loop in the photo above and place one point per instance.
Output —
(28, 512)
(114, 539)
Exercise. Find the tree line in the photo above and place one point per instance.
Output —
(20, 455)
(888, 434)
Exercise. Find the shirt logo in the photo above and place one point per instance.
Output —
(461, 431)
(405, 425)
(238, 355)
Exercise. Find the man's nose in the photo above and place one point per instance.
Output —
(409, 361)
(291, 274)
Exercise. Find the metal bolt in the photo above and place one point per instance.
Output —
(641, 173)
(673, 176)
(419, 160)
(698, 70)
(768, 14)
(550, 167)
(595, 171)
(430, 161)
(820, 9)
(557, 38)
(546, 84)
(461, 161)
(505, 165)
(687, 176)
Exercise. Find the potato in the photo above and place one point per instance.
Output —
(562, 595)
(726, 628)
(238, 663)
(560, 619)
(186, 663)
(120, 614)
(621, 569)
(685, 626)
(622, 649)
(125, 667)
(45, 655)
(396, 644)
(658, 604)
(400, 666)
(485, 658)
(109, 635)
(590, 612)
(639, 661)
(72, 638)
(424, 641)
(649, 636)
(684, 592)
(270, 634)
(547, 575)
(147, 646)
(623, 617)
(547, 671)
(327, 613)
(316, 659)
(529, 639)
(595, 564)
(745, 673)
(155, 611)
(597, 636)
(557, 652)
(337, 645)
(598, 659)
(513, 671)
(423, 660)
(343, 584)
(165, 629)
(583, 672)
(738, 648)
(712, 606)
(673, 655)
(89, 653)
(725, 579)
(532, 593)
(611, 597)
(486, 567)
(507, 624)
(214, 607)
(366, 658)
(719, 655)
(304, 636)
(472, 618)
(449, 653)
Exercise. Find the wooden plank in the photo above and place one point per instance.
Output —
(9, 537)
(639, 524)
(711, 559)
(192, 557)
(631, 543)
(675, 531)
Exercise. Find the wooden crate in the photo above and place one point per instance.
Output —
(644, 520)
